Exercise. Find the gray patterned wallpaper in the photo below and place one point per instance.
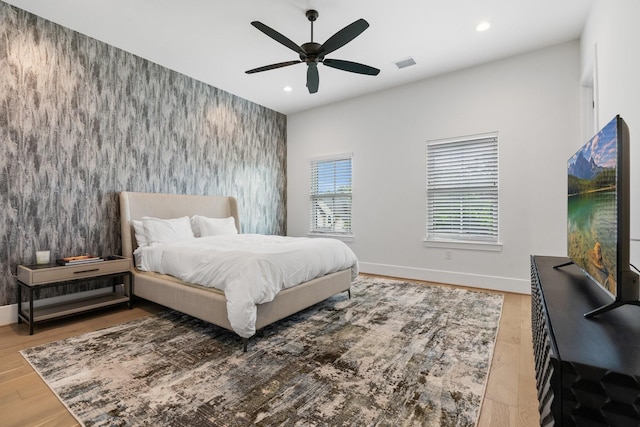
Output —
(81, 121)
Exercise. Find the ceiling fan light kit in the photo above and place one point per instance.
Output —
(313, 53)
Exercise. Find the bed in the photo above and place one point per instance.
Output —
(206, 303)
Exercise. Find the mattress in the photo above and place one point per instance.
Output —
(250, 269)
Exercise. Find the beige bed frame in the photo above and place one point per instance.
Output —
(207, 303)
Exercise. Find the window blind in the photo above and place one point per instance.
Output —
(462, 189)
(331, 195)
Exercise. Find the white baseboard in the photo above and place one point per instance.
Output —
(496, 283)
(9, 313)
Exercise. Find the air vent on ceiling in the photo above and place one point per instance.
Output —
(405, 63)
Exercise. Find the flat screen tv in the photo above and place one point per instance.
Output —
(598, 208)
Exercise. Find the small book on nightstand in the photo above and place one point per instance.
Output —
(79, 259)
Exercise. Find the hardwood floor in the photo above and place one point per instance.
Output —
(25, 400)
(511, 398)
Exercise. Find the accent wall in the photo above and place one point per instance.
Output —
(81, 120)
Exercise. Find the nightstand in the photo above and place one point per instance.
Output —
(33, 277)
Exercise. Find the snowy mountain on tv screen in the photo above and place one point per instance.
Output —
(583, 168)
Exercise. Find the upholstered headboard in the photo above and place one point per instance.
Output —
(136, 205)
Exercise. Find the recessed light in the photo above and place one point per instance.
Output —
(287, 88)
(483, 26)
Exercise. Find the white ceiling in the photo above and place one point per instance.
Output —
(213, 41)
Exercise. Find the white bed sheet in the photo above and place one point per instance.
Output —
(250, 268)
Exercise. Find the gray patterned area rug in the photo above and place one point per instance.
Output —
(395, 354)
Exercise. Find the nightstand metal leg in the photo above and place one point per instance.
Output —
(19, 302)
(129, 289)
(30, 311)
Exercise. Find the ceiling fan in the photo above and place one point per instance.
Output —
(314, 53)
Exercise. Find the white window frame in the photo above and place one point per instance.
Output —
(463, 170)
(337, 199)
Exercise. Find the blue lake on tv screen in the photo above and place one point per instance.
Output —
(592, 230)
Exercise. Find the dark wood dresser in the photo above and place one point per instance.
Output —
(587, 370)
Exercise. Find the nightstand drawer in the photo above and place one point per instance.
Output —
(39, 276)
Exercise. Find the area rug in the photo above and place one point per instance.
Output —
(395, 354)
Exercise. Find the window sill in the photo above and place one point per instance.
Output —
(473, 246)
(343, 237)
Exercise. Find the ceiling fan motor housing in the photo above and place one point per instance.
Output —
(312, 52)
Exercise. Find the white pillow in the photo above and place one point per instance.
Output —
(138, 228)
(204, 226)
(160, 231)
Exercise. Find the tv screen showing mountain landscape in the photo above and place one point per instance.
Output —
(592, 207)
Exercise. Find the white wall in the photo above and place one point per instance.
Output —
(532, 100)
(613, 32)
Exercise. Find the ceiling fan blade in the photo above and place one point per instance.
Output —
(313, 79)
(278, 37)
(352, 67)
(272, 66)
(344, 36)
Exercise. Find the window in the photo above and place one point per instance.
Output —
(331, 195)
(462, 189)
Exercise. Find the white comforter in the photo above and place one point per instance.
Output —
(250, 268)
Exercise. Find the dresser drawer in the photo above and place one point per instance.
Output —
(39, 276)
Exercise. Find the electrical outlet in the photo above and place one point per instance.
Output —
(447, 254)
